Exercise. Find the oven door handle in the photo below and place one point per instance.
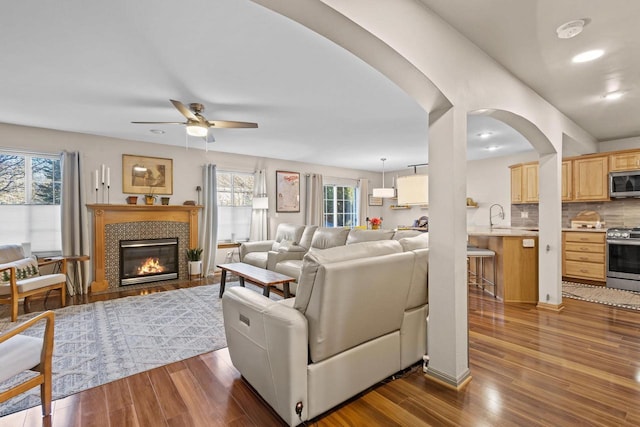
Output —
(625, 242)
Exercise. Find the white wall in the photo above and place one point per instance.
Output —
(620, 144)
(187, 165)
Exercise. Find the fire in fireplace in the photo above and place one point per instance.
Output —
(150, 260)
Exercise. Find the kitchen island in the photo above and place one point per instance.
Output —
(516, 261)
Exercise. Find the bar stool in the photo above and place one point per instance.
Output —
(478, 255)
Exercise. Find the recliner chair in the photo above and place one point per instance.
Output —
(359, 316)
(255, 253)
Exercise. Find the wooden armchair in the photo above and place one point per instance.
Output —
(19, 353)
(20, 278)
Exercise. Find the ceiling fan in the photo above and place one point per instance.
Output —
(197, 124)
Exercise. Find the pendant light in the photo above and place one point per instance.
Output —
(383, 192)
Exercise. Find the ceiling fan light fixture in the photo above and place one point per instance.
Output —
(197, 129)
(571, 29)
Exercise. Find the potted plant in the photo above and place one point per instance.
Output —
(194, 258)
(149, 198)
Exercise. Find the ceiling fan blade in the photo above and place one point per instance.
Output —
(231, 124)
(184, 110)
(160, 123)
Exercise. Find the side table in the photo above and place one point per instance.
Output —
(75, 260)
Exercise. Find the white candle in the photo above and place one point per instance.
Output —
(103, 174)
(108, 177)
(96, 179)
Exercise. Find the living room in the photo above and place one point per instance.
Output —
(187, 161)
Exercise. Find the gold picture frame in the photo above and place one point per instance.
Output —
(287, 191)
(146, 175)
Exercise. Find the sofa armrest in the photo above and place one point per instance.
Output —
(267, 343)
(257, 246)
(274, 257)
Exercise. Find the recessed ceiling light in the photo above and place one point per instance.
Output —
(570, 29)
(492, 147)
(611, 96)
(485, 135)
(587, 56)
(157, 131)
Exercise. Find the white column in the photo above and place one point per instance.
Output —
(447, 335)
(550, 237)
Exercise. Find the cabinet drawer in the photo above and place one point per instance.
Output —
(585, 270)
(585, 257)
(574, 236)
(597, 248)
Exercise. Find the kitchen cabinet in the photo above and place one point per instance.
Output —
(624, 161)
(530, 183)
(567, 180)
(516, 184)
(591, 179)
(583, 255)
(524, 183)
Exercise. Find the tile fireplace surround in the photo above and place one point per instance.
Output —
(112, 223)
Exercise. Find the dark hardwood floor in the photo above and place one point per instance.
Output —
(529, 367)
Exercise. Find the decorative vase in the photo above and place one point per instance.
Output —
(148, 200)
(375, 226)
(132, 200)
(194, 268)
(164, 200)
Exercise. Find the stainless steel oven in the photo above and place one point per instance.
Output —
(623, 258)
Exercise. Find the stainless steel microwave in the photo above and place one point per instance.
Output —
(624, 184)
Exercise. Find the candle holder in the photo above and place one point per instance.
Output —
(108, 188)
(96, 195)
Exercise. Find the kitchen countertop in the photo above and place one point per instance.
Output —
(501, 231)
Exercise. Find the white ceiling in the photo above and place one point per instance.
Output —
(93, 67)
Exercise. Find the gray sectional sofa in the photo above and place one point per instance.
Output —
(285, 253)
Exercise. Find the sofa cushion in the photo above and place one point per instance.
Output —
(357, 236)
(289, 267)
(420, 241)
(399, 234)
(257, 259)
(316, 257)
(288, 234)
(328, 237)
(307, 236)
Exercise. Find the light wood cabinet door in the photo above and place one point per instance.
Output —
(591, 179)
(624, 161)
(567, 180)
(516, 184)
(530, 183)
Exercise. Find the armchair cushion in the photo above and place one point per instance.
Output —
(9, 253)
(19, 353)
(287, 234)
(25, 268)
(32, 283)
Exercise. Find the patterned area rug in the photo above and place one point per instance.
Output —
(100, 342)
(602, 295)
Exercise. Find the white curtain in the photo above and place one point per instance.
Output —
(209, 231)
(313, 211)
(363, 202)
(74, 219)
(259, 229)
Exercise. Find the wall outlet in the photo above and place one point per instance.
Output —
(528, 243)
(524, 214)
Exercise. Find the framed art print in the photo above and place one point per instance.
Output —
(287, 191)
(375, 201)
(146, 175)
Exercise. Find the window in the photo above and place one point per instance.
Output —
(340, 206)
(30, 200)
(235, 196)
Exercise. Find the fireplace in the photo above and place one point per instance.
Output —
(150, 260)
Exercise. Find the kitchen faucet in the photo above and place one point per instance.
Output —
(500, 214)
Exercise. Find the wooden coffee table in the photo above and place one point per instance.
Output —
(259, 276)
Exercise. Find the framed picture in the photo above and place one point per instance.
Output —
(146, 175)
(287, 191)
(375, 201)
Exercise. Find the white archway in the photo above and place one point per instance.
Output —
(448, 76)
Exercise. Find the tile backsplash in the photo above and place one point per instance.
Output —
(616, 213)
